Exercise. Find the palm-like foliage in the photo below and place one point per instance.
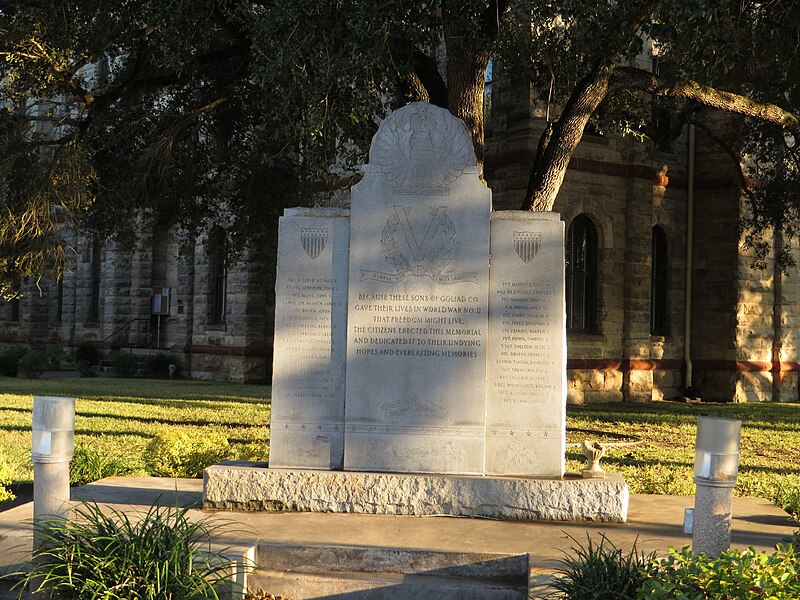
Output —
(104, 554)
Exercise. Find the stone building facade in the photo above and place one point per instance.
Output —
(635, 334)
(676, 302)
(169, 294)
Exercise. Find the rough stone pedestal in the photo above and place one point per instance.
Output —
(250, 486)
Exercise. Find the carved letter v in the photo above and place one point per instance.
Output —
(419, 250)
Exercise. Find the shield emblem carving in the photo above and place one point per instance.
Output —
(314, 240)
(526, 243)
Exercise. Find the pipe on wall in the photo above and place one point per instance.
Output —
(687, 323)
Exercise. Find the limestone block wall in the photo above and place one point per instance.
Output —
(787, 390)
(754, 331)
(237, 349)
(715, 292)
(732, 321)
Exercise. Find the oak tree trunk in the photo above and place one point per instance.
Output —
(468, 53)
(465, 81)
(557, 148)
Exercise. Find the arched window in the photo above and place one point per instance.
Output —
(658, 283)
(581, 273)
(218, 256)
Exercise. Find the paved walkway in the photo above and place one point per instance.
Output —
(654, 523)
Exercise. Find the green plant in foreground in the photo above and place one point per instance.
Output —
(185, 453)
(794, 540)
(685, 575)
(89, 464)
(162, 556)
(601, 571)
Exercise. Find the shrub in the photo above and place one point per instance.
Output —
(123, 363)
(185, 453)
(56, 357)
(787, 496)
(601, 572)
(9, 360)
(88, 465)
(735, 574)
(87, 353)
(163, 555)
(85, 369)
(158, 365)
(32, 364)
(794, 540)
(6, 475)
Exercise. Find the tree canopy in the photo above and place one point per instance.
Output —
(192, 113)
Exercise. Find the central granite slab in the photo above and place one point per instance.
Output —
(418, 300)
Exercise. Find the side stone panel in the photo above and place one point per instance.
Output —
(526, 380)
(307, 421)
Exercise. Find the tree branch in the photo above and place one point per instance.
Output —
(726, 147)
(491, 18)
(638, 79)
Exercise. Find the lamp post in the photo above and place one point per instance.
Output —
(53, 444)
(716, 466)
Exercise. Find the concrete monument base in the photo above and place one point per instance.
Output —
(253, 486)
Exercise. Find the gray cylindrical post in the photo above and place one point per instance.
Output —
(715, 470)
(53, 443)
(711, 534)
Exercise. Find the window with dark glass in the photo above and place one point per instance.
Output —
(658, 283)
(219, 277)
(581, 275)
(94, 300)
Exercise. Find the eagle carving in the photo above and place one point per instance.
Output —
(422, 146)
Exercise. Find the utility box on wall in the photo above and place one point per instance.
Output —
(160, 301)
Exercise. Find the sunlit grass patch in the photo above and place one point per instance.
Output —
(663, 460)
(119, 417)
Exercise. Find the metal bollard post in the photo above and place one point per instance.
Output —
(716, 466)
(53, 444)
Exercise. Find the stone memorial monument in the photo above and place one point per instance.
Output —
(420, 333)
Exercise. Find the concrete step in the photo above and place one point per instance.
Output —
(355, 573)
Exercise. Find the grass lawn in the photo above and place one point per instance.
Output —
(119, 416)
(663, 462)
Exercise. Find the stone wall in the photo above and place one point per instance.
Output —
(237, 350)
(240, 348)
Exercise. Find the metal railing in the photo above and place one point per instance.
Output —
(125, 326)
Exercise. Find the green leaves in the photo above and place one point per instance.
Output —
(103, 553)
(601, 570)
(735, 574)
